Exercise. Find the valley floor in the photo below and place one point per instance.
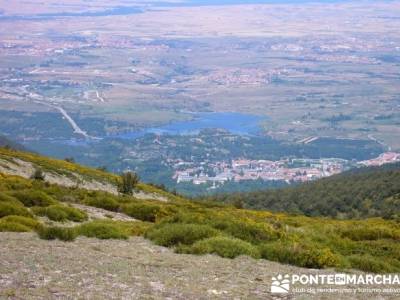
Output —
(134, 269)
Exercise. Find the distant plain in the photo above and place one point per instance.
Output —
(299, 64)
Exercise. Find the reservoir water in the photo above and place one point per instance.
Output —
(238, 123)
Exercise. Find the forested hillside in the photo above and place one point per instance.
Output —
(364, 192)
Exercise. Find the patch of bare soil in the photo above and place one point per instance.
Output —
(134, 269)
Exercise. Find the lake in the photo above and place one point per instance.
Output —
(238, 123)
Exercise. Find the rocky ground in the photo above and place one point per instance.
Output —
(25, 169)
(134, 269)
(15, 166)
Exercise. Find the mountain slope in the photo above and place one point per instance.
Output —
(365, 192)
(62, 212)
(68, 174)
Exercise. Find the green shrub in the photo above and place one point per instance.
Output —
(102, 230)
(137, 228)
(54, 232)
(10, 199)
(13, 227)
(61, 213)
(28, 222)
(368, 263)
(10, 182)
(13, 208)
(104, 202)
(246, 229)
(53, 212)
(303, 255)
(224, 246)
(174, 234)
(360, 233)
(34, 198)
(7, 198)
(143, 211)
(129, 228)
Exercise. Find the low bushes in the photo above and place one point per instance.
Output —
(244, 229)
(34, 198)
(10, 182)
(13, 226)
(175, 234)
(299, 254)
(129, 228)
(360, 233)
(143, 211)
(136, 228)
(249, 231)
(102, 230)
(104, 202)
(61, 213)
(7, 198)
(223, 246)
(13, 208)
(32, 224)
(54, 232)
(368, 263)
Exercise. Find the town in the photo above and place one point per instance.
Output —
(290, 170)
